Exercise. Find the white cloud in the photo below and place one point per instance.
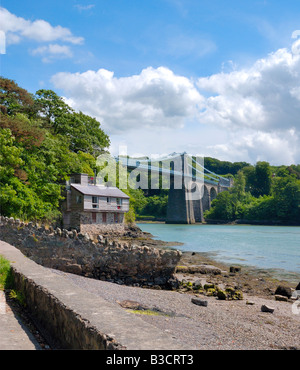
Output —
(17, 28)
(155, 97)
(253, 146)
(263, 97)
(52, 51)
(248, 114)
(259, 106)
(84, 7)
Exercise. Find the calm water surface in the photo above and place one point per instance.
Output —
(265, 247)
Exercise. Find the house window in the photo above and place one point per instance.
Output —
(108, 199)
(78, 199)
(95, 202)
(104, 218)
(116, 218)
(94, 218)
(119, 203)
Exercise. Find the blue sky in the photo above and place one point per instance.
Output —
(214, 78)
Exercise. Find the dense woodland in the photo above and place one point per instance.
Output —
(261, 193)
(43, 140)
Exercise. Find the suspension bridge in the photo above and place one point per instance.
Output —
(192, 187)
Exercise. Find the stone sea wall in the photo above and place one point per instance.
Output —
(69, 251)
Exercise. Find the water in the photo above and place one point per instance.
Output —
(264, 247)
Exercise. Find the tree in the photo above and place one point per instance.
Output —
(230, 205)
(14, 99)
(17, 199)
(86, 135)
(10, 159)
(263, 177)
(222, 208)
(258, 179)
(223, 167)
(286, 192)
(24, 129)
(55, 113)
(82, 132)
(260, 209)
(42, 141)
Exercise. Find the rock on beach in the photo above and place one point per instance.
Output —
(199, 302)
(265, 308)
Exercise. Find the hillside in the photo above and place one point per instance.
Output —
(42, 140)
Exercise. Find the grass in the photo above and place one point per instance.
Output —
(19, 296)
(6, 279)
(148, 312)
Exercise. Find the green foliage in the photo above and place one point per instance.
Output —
(156, 206)
(223, 167)
(6, 279)
(130, 215)
(25, 130)
(229, 205)
(42, 141)
(19, 296)
(10, 159)
(222, 208)
(80, 131)
(137, 199)
(259, 179)
(286, 193)
(14, 99)
(256, 196)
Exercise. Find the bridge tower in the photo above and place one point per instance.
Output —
(180, 209)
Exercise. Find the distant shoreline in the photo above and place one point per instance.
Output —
(252, 223)
(222, 222)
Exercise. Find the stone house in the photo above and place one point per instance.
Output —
(88, 204)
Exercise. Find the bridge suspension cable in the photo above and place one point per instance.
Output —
(144, 164)
(224, 178)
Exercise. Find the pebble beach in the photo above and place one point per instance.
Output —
(220, 324)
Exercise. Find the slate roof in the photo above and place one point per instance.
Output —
(100, 191)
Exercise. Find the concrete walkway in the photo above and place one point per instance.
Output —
(74, 317)
(13, 333)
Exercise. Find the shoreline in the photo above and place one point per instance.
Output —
(235, 222)
(272, 273)
(253, 280)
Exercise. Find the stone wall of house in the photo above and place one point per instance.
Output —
(83, 222)
(94, 229)
(77, 253)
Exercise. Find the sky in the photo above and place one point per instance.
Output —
(206, 77)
